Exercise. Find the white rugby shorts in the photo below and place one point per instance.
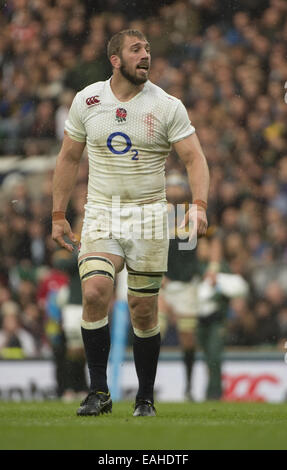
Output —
(139, 234)
(181, 297)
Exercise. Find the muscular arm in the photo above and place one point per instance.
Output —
(190, 152)
(63, 183)
(66, 172)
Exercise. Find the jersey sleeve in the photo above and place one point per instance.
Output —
(74, 125)
(179, 126)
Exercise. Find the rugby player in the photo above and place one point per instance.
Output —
(129, 126)
(177, 300)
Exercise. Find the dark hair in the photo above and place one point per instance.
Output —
(116, 42)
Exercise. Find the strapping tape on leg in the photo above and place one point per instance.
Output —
(163, 323)
(147, 333)
(144, 284)
(87, 325)
(96, 266)
(186, 324)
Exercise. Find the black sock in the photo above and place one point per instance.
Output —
(146, 353)
(188, 359)
(97, 347)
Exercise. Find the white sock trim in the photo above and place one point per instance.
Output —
(147, 333)
(94, 325)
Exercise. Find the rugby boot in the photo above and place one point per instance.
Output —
(144, 408)
(95, 403)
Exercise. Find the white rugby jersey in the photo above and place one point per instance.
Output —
(127, 142)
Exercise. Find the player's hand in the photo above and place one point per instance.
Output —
(60, 228)
(197, 216)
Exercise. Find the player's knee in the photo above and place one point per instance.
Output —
(93, 296)
(140, 306)
(143, 313)
(96, 298)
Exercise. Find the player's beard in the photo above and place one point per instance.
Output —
(134, 79)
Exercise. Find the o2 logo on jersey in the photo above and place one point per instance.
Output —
(126, 149)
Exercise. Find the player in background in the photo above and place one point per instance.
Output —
(179, 302)
(177, 296)
(218, 286)
(129, 126)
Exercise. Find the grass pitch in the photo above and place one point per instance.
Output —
(187, 426)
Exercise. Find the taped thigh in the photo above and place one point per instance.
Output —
(186, 324)
(93, 265)
(144, 284)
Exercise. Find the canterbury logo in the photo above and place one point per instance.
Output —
(247, 387)
(92, 100)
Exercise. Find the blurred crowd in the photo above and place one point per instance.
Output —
(227, 63)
